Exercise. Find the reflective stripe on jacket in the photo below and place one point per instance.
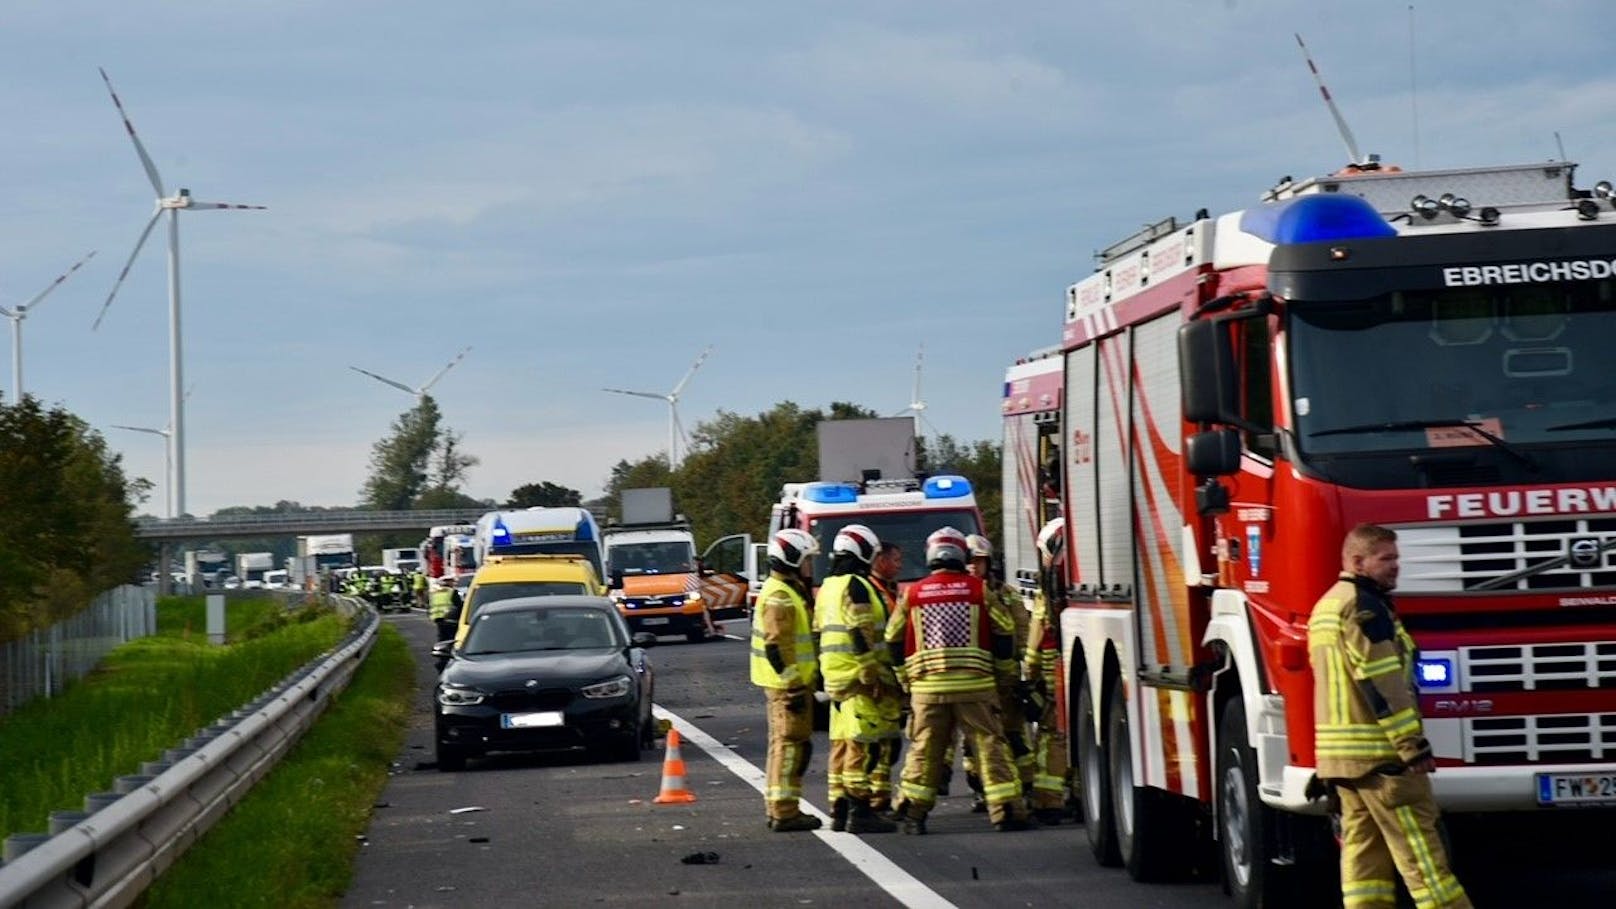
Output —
(947, 635)
(839, 618)
(782, 619)
(441, 604)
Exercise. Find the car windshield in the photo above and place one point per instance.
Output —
(909, 529)
(483, 594)
(549, 628)
(1524, 363)
(667, 557)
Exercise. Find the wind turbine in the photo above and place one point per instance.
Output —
(418, 392)
(20, 312)
(675, 429)
(181, 200)
(167, 433)
(917, 404)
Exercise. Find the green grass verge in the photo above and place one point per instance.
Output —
(147, 696)
(291, 841)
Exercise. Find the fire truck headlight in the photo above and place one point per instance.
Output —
(1425, 206)
(1488, 215)
(1458, 205)
(1587, 209)
(1603, 189)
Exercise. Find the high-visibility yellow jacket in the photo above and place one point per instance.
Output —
(1365, 711)
(950, 641)
(782, 619)
(1041, 645)
(851, 618)
(442, 602)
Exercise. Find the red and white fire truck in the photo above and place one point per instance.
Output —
(1429, 351)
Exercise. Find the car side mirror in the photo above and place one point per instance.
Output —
(442, 653)
(643, 639)
(616, 578)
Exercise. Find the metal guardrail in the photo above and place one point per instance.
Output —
(299, 523)
(111, 855)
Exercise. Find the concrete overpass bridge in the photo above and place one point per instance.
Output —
(297, 524)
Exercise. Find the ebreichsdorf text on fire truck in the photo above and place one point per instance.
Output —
(1430, 351)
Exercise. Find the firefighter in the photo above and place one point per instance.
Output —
(785, 666)
(884, 577)
(420, 589)
(854, 661)
(1011, 696)
(953, 654)
(1369, 741)
(1042, 649)
(443, 610)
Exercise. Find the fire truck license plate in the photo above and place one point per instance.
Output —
(1576, 788)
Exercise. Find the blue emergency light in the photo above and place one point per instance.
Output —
(830, 493)
(1433, 672)
(584, 530)
(500, 534)
(947, 486)
(1315, 219)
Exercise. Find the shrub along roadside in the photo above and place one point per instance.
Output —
(291, 841)
(148, 695)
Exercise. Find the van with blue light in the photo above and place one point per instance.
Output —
(541, 531)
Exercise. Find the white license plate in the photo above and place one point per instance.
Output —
(530, 720)
(1576, 788)
(655, 620)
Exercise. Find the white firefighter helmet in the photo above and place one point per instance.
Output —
(790, 546)
(1052, 539)
(980, 546)
(858, 541)
(946, 545)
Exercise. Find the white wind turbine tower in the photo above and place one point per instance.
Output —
(166, 433)
(917, 404)
(20, 312)
(173, 205)
(675, 428)
(422, 390)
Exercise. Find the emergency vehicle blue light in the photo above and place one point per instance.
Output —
(830, 493)
(584, 530)
(1314, 219)
(946, 487)
(500, 533)
(1433, 672)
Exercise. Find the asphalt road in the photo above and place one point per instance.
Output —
(564, 830)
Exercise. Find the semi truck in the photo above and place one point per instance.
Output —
(1427, 351)
(318, 556)
(251, 566)
(403, 559)
(656, 578)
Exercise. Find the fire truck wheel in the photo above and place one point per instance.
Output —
(1096, 794)
(1154, 831)
(1243, 836)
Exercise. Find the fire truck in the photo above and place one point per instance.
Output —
(1429, 351)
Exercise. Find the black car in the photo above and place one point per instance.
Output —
(544, 673)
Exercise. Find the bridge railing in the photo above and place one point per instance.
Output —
(301, 522)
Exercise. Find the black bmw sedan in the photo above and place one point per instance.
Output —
(544, 673)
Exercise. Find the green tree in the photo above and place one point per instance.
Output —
(981, 462)
(399, 461)
(649, 471)
(545, 494)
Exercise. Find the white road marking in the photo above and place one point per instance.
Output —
(904, 887)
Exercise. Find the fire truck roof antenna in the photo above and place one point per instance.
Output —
(1340, 122)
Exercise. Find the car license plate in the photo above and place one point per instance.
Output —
(1576, 788)
(654, 620)
(530, 720)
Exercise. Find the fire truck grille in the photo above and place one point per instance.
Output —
(1576, 666)
(1557, 738)
(1452, 558)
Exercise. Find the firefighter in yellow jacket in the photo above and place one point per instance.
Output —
(954, 654)
(854, 661)
(1049, 782)
(1006, 604)
(785, 666)
(1369, 741)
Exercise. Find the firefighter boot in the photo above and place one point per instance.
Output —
(865, 820)
(795, 823)
(979, 802)
(838, 813)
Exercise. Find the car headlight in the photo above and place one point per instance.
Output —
(694, 597)
(460, 696)
(612, 688)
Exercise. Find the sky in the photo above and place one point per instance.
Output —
(590, 193)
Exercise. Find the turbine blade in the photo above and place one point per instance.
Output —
(693, 367)
(155, 432)
(448, 366)
(386, 381)
(145, 159)
(637, 394)
(204, 206)
(8, 313)
(125, 272)
(56, 283)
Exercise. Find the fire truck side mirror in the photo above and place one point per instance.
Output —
(1213, 453)
(1207, 372)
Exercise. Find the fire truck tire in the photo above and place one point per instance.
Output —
(1092, 764)
(1243, 820)
(1155, 836)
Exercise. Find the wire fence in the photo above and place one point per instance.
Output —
(44, 662)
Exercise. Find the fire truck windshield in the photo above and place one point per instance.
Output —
(1525, 365)
(909, 529)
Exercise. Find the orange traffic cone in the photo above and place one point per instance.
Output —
(674, 791)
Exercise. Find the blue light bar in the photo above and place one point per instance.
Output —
(1315, 219)
(947, 487)
(500, 533)
(830, 493)
(1433, 672)
(584, 530)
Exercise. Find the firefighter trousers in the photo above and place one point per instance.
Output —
(863, 733)
(1022, 754)
(1389, 826)
(791, 727)
(1050, 762)
(932, 725)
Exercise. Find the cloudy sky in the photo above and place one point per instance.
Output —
(588, 193)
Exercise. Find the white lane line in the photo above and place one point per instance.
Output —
(904, 887)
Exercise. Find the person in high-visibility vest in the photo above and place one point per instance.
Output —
(1007, 605)
(884, 578)
(954, 654)
(442, 609)
(1369, 746)
(1042, 649)
(421, 589)
(855, 663)
(784, 665)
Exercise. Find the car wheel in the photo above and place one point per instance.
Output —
(696, 636)
(629, 748)
(451, 758)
